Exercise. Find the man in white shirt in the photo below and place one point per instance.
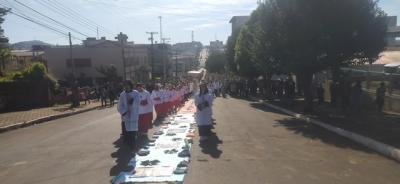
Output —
(145, 110)
(128, 108)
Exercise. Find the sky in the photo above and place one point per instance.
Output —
(209, 19)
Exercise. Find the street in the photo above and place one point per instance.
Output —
(258, 145)
(252, 145)
(76, 149)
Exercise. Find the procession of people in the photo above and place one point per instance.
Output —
(136, 105)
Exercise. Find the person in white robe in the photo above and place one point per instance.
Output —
(156, 96)
(203, 102)
(145, 110)
(128, 108)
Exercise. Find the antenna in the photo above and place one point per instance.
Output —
(161, 38)
(152, 52)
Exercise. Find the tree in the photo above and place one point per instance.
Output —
(4, 50)
(307, 36)
(5, 54)
(230, 53)
(215, 62)
(109, 72)
(243, 54)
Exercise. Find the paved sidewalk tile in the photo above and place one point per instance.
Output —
(11, 118)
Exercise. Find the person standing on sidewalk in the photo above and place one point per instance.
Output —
(145, 110)
(103, 96)
(111, 95)
(128, 107)
(203, 102)
(380, 97)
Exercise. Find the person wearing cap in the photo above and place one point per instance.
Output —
(128, 108)
(203, 102)
(145, 110)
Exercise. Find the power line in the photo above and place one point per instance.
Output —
(38, 23)
(59, 23)
(67, 9)
(61, 12)
(25, 17)
(71, 15)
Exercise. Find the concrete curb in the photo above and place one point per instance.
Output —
(43, 119)
(377, 146)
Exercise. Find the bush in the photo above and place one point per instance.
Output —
(36, 71)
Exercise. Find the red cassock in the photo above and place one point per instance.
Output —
(145, 121)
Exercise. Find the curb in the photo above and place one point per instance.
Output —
(43, 119)
(377, 146)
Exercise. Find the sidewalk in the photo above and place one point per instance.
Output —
(384, 128)
(10, 119)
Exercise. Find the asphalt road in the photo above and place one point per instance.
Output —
(76, 149)
(252, 145)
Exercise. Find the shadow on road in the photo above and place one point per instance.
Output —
(262, 107)
(210, 146)
(314, 132)
(123, 155)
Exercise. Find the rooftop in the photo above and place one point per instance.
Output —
(238, 17)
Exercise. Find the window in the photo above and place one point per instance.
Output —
(80, 62)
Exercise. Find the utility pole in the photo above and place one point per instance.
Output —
(152, 52)
(161, 38)
(70, 56)
(97, 32)
(176, 63)
(122, 38)
(163, 58)
(192, 36)
(74, 87)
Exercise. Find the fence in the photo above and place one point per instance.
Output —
(24, 95)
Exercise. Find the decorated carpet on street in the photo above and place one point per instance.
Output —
(166, 157)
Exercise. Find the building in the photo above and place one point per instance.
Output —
(237, 22)
(138, 66)
(188, 47)
(393, 32)
(216, 46)
(162, 61)
(20, 59)
(131, 61)
(186, 56)
(183, 63)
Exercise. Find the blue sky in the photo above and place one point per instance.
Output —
(209, 19)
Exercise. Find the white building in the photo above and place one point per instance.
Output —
(96, 53)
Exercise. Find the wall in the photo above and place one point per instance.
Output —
(24, 95)
(56, 60)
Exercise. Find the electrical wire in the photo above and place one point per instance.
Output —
(25, 17)
(79, 16)
(59, 23)
(61, 12)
